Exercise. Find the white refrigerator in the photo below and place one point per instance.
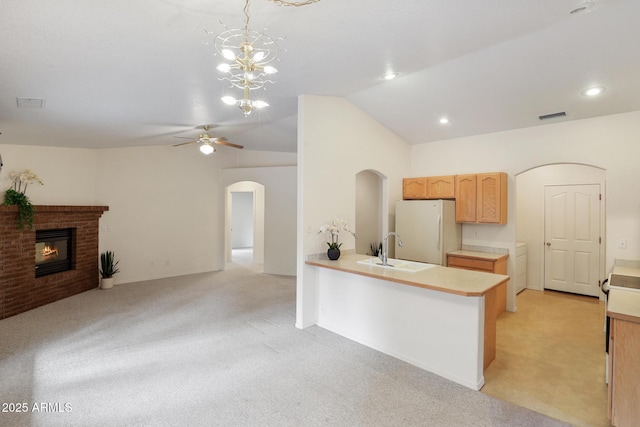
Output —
(428, 230)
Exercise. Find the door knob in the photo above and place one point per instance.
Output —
(548, 243)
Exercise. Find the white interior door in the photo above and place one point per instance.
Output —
(572, 238)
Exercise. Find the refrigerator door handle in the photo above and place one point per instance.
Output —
(439, 230)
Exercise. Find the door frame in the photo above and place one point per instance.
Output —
(530, 186)
(258, 191)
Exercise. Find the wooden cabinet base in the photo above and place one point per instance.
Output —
(490, 316)
(488, 265)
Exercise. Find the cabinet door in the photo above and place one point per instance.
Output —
(466, 193)
(624, 378)
(414, 188)
(470, 264)
(492, 198)
(441, 187)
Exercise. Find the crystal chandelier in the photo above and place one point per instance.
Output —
(248, 54)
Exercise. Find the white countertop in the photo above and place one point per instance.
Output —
(624, 304)
(438, 278)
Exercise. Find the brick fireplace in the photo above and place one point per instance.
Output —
(20, 289)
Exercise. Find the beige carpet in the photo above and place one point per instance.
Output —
(215, 349)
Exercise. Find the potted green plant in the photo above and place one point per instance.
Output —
(108, 267)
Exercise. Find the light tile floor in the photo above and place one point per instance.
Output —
(551, 357)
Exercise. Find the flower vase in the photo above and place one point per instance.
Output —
(334, 248)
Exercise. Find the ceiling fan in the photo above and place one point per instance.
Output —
(207, 141)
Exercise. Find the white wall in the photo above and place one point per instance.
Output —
(166, 205)
(164, 210)
(336, 141)
(279, 213)
(69, 174)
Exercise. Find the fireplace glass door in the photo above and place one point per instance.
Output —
(53, 251)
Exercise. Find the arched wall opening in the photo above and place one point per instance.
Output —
(530, 210)
(372, 210)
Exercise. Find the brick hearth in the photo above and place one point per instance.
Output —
(20, 290)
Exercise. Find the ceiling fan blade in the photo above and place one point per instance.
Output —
(184, 143)
(223, 141)
(184, 137)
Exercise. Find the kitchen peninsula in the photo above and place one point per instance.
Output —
(440, 319)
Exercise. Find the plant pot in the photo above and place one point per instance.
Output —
(333, 254)
(106, 283)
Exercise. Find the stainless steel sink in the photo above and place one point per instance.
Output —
(397, 264)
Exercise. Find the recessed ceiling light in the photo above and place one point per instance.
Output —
(390, 76)
(593, 91)
(444, 121)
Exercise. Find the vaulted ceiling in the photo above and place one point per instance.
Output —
(130, 73)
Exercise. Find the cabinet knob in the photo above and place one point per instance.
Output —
(548, 243)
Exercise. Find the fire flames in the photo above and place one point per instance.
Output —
(49, 252)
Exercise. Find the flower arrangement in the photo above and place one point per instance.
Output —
(334, 228)
(24, 177)
(16, 196)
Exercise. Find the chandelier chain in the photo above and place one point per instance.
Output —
(246, 18)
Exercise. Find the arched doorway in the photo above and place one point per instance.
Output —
(532, 208)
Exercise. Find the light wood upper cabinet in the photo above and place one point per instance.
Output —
(492, 198)
(482, 198)
(429, 187)
(466, 198)
(414, 188)
(441, 187)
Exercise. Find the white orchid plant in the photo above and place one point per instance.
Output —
(21, 179)
(334, 228)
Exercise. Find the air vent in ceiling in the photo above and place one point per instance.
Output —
(34, 103)
(552, 115)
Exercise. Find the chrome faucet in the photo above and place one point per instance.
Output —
(385, 246)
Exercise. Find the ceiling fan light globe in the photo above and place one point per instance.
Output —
(229, 100)
(207, 149)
